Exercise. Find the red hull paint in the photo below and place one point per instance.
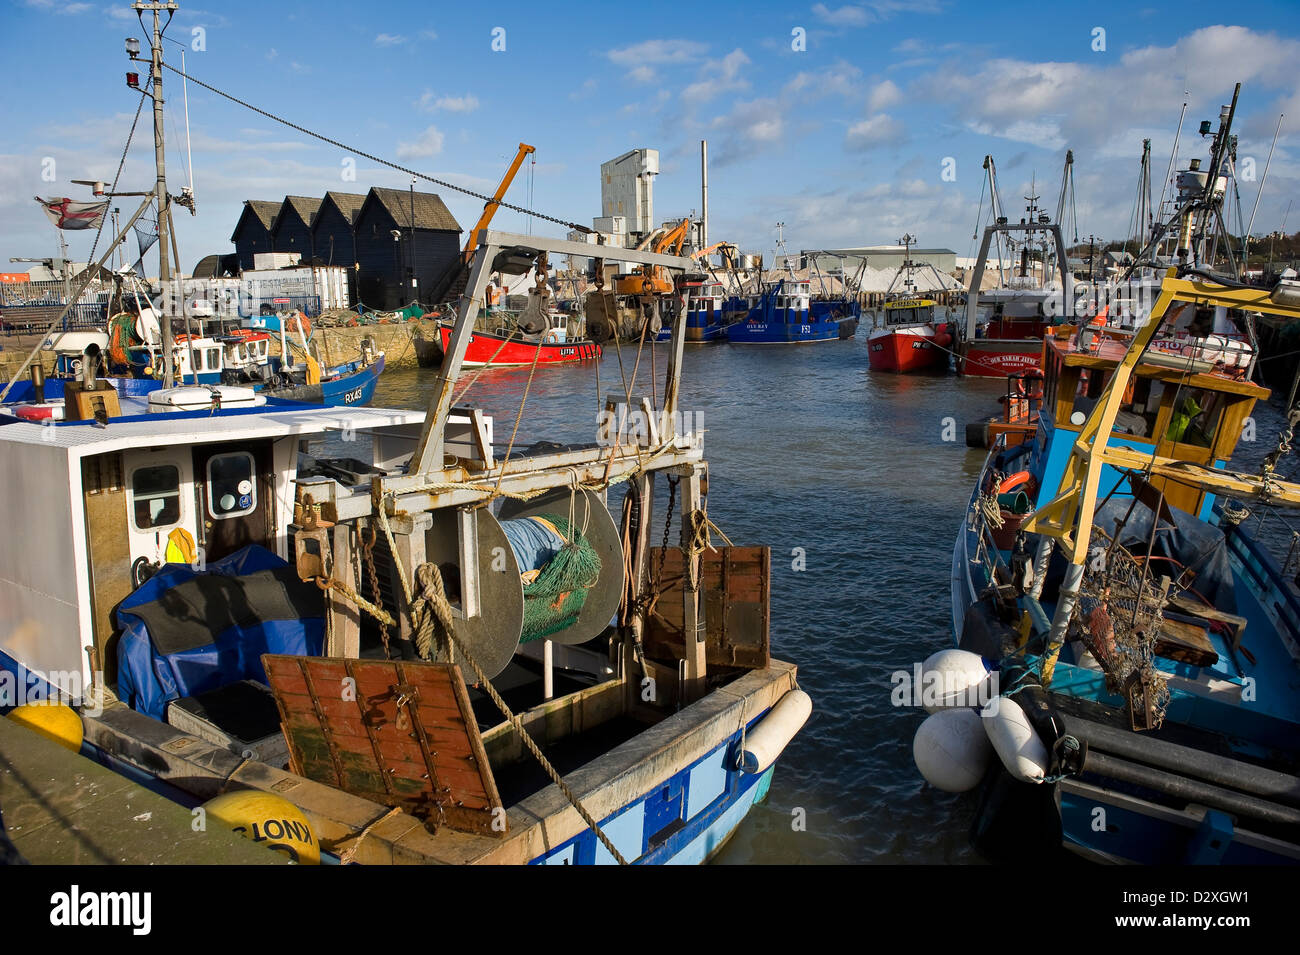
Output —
(903, 353)
(990, 358)
(485, 348)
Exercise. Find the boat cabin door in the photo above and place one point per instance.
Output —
(236, 497)
(160, 518)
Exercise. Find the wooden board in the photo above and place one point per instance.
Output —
(735, 587)
(1185, 642)
(345, 728)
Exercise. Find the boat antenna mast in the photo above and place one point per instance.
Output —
(995, 204)
(160, 162)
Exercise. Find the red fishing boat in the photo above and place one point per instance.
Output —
(502, 349)
(909, 340)
(906, 337)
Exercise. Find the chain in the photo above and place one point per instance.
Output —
(383, 162)
(368, 550)
(668, 522)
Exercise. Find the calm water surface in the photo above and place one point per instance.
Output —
(808, 449)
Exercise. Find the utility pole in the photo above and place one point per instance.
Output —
(160, 186)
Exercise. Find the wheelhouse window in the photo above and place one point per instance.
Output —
(1195, 417)
(155, 496)
(232, 485)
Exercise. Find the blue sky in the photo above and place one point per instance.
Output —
(843, 141)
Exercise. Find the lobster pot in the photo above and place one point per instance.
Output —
(546, 569)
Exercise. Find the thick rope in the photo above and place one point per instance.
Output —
(379, 613)
(429, 608)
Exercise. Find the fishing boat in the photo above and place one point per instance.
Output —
(1004, 326)
(1133, 641)
(370, 636)
(782, 316)
(907, 337)
(708, 309)
(506, 346)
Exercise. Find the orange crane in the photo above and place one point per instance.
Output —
(490, 209)
(654, 280)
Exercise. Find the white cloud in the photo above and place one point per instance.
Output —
(428, 144)
(50, 6)
(859, 15)
(430, 102)
(1094, 102)
(389, 39)
(842, 16)
(717, 77)
(883, 96)
(639, 59)
(876, 130)
(841, 78)
(657, 51)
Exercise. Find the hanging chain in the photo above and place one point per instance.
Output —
(368, 549)
(668, 523)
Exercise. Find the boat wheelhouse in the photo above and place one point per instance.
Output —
(782, 316)
(908, 338)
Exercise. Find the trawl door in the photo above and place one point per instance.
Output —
(236, 497)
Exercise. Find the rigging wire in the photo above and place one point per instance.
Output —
(376, 159)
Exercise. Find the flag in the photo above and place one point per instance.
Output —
(66, 214)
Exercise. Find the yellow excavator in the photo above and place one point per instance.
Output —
(645, 281)
(453, 283)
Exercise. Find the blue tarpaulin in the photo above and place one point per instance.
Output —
(186, 632)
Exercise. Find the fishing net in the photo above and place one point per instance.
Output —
(555, 596)
(1119, 618)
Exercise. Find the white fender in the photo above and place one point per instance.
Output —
(1015, 740)
(765, 742)
(951, 750)
(959, 680)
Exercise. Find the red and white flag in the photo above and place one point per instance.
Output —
(66, 214)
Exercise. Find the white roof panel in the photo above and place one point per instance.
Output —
(150, 430)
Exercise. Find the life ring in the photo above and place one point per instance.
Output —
(1014, 481)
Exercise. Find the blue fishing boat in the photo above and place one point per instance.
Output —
(708, 312)
(783, 316)
(1133, 639)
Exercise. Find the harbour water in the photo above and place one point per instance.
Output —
(847, 476)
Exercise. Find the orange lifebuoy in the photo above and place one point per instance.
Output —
(1014, 481)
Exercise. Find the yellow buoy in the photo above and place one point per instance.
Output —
(55, 721)
(270, 820)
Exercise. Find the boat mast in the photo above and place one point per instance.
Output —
(160, 186)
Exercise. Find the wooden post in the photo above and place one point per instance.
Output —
(346, 636)
(408, 536)
(693, 613)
